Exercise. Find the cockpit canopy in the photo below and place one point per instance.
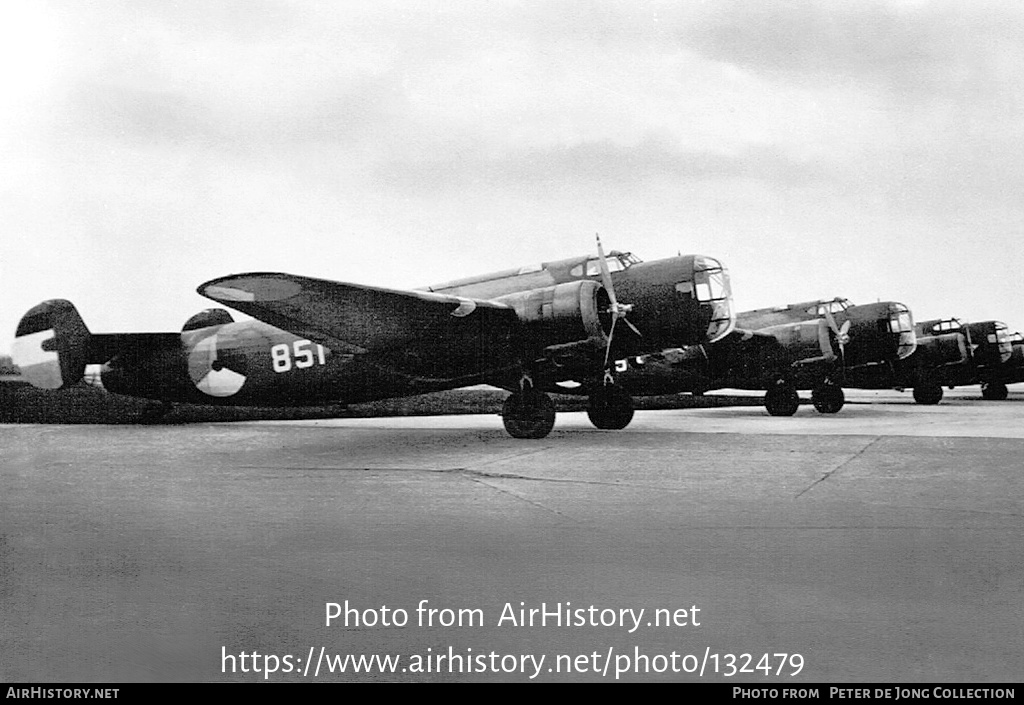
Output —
(617, 262)
(534, 276)
(820, 308)
(1001, 334)
(947, 325)
(814, 308)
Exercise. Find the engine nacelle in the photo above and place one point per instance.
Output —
(563, 314)
(805, 342)
(206, 318)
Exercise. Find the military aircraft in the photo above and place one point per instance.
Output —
(316, 341)
(810, 345)
(989, 348)
(1012, 371)
(950, 353)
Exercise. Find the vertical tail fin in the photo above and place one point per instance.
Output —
(50, 345)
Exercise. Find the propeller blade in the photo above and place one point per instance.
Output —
(618, 310)
(831, 321)
(606, 277)
(608, 347)
(841, 332)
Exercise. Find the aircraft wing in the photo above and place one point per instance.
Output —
(759, 357)
(748, 354)
(416, 332)
(749, 340)
(769, 346)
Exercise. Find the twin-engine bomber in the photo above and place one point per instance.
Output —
(817, 345)
(953, 353)
(316, 341)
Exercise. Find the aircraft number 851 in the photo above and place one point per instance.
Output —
(301, 351)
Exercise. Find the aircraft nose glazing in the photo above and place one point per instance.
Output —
(901, 322)
(1003, 341)
(712, 289)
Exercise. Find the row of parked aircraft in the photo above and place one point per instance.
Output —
(605, 326)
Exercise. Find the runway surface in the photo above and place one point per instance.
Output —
(880, 544)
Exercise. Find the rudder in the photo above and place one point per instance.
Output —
(50, 345)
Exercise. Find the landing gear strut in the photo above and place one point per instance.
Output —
(994, 391)
(828, 398)
(929, 393)
(781, 399)
(528, 414)
(610, 407)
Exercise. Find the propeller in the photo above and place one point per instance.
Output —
(842, 332)
(617, 309)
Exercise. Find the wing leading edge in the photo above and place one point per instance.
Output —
(415, 332)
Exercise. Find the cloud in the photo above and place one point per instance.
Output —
(917, 50)
(182, 136)
(597, 164)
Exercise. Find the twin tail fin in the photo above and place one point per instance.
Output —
(51, 344)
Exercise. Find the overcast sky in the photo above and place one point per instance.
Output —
(871, 150)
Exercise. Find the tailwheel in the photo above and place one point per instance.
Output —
(994, 391)
(928, 394)
(610, 407)
(528, 414)
(828, 398)
(781, 399)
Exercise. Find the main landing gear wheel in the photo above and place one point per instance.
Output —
(928, 394)
(528, 414)
(828, 398)
(781, 399)
(610, 407)
(994, 391)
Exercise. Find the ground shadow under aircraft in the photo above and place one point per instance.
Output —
(85, 404)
